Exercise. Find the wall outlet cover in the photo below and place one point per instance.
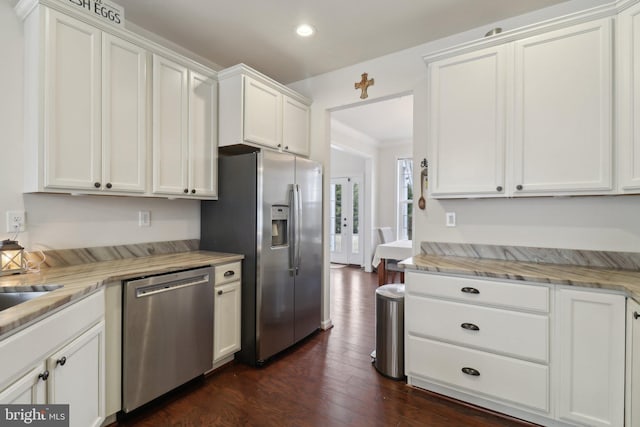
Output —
(450, 219)
(16, 221)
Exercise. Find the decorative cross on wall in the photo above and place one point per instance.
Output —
(363, 84)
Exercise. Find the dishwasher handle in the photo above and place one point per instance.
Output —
(159, 288)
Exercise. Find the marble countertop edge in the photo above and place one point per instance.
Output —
(624, 281)
(81, 280)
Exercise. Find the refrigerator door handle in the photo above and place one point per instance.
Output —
(298, 226)
(292, 228)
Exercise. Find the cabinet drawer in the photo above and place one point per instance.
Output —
(522, 335)
(511, 295)
(227, 272)
(512, 380)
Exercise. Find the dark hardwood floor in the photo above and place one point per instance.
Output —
(327, 380)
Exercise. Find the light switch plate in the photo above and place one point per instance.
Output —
(144, 219)
(450, 218)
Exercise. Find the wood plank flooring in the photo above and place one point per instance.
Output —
(327, 380)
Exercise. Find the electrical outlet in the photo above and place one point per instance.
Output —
(15, 221)
(450, 219)
(144, 219)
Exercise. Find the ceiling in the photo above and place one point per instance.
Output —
(386, 121)
(261, 33)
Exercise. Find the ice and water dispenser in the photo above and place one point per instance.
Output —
(279, 225)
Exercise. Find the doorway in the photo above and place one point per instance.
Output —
(345, 236)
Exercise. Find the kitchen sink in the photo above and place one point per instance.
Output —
(14, 295)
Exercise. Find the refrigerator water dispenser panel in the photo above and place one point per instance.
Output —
(279, 226)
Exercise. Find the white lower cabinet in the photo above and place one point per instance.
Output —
(552, 355)
(591, 352)
(632, 402)
(59, 360)
(227, 308)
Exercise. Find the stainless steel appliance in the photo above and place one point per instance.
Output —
(167, 333)
(270, 210)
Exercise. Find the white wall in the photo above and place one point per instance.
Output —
(387, 181)
(603, 223)
(64, 221)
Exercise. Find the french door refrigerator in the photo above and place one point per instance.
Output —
(270, 210)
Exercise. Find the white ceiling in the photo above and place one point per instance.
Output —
(386, 121)
(260, 33)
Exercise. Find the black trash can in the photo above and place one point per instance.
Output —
(389, 354)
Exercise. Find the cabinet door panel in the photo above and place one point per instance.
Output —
(633, 364)
(563, 110)
(467, 124)
(28, 390)
(628, 92)
(203, 147)
(170, 127)
(262, 114)
(295, 126)
(124, 114)
(226, 339)
(72, 103)
(591, 357)
(79, 381)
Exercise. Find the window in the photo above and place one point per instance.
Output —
(405, 199)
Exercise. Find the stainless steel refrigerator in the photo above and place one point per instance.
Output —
(270, 210)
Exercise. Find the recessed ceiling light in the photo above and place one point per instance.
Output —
(305, 30)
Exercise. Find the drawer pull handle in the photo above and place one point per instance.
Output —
(44, 376)
(470, 327)
(229, 273)
(636, 315)
(471, 371)
(468, 290)
(61, 361)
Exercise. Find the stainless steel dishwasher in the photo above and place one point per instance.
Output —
(167, 333)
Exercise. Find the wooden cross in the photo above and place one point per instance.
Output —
(363, 85)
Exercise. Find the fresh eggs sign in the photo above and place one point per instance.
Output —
(101, 9)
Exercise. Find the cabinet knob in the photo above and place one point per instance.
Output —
(279, 145)
(96, 184)
(220, 292)
(44, 376)
(109, 185)
(186, 190)
(471, 371)
(468, 290)
(193, 191)
(286, 147)
(636, 315)
(470, 327)
(61, 361)
(499, 188)
(518, 187)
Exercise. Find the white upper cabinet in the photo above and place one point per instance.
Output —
(262, 114)
(124, 114)
(257, 111)
(92, 125)
(295, 126)
(563, 111)
(184, 131)
(467, 123)
(72, 87)
(628, 93)
(528, 116)
(203, 135)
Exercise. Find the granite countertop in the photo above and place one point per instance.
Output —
(559, 274)
(80, 280)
